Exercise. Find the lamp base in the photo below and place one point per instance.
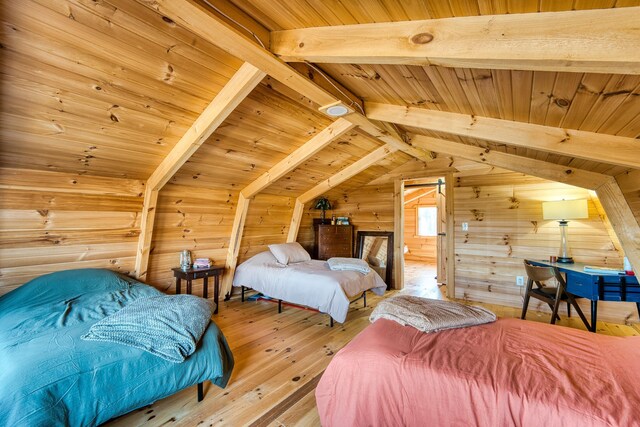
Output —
(565, 260)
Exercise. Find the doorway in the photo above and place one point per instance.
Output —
(424, 232)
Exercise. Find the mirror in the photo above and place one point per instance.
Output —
(376, 248)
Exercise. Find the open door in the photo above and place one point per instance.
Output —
(441, 241)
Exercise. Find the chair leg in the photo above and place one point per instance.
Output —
(525, 304)
(554, 315)
(242, 293)
(364, 295)
(279, 306)
(331, 320)
(568, 308)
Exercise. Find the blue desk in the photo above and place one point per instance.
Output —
(596, 286)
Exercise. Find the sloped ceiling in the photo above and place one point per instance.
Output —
(108, 88)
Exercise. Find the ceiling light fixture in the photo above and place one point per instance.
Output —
(337, 109)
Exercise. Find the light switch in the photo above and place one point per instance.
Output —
(465, 226)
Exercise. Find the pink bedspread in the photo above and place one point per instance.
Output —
(511, 372)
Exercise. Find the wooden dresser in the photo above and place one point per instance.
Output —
(333, 241)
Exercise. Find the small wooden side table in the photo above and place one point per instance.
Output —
(200, 273)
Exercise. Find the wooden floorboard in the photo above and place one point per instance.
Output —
(280, 357)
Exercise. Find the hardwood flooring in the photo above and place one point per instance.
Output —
(280, 357)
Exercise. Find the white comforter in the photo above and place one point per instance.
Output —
(308, 283)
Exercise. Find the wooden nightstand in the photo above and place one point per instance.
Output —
(200, 273)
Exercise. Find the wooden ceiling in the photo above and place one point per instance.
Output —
(109, 87)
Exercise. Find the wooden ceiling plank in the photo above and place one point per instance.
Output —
(603, 148)
(545, 170)
(510, 41)
(238, 87)
(211, 28)
(346, 173)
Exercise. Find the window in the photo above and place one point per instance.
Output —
(427, 221)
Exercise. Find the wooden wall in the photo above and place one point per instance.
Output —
(421, 248)
(195, 218)
(199, 219)
(504, 213)
(52, 221)
(369, 208)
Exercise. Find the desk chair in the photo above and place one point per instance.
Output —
(551, 295)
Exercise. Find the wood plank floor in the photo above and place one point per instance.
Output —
(279, 359)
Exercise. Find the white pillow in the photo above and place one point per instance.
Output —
(286, 253)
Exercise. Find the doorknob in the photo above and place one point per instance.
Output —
(442, 234)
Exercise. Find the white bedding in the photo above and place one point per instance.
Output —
(308, 283)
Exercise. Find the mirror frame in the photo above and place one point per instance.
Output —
(360, 248)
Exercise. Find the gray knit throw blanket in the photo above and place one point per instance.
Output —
(430, 315)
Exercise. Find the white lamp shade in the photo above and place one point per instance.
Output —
(565, 209)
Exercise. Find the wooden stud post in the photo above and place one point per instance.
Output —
(234, 243)
(296, 218)
(398, 235)
(451, 236)
(622, 220)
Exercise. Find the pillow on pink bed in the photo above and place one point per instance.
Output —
(287, 253)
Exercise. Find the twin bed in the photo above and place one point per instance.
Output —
(306, 282)
(50, 375)
(508, 373)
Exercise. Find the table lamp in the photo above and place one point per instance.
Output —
(562, 211)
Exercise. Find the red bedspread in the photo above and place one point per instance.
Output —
(511, 372)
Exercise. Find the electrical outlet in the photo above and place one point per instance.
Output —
(465, 226)
(519, 280)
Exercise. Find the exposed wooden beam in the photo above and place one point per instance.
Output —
(192, 16)
(237, 88)
(286, 165)
(331, 182)
(295, 159)
(539, 168)
(616, 150)
(346, 173)
(591, 41)
(230, 96)
(622, 220)
(416, 168)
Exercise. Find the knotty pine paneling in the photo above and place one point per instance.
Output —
(421, 248)
(189, 217)
(504, 213)
(199, 219)
(51, 221)
(268, 221)
(369, 208)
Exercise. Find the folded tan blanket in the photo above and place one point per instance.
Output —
(430, 315)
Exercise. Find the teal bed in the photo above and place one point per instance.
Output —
(49, 375)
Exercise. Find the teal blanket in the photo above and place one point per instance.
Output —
(49, 376)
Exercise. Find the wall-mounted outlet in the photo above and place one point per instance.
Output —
(519, 280)
(465, 226)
